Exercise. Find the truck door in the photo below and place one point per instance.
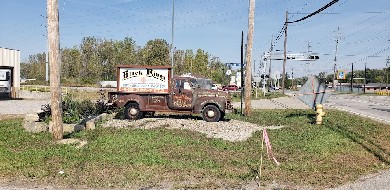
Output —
(181, 94)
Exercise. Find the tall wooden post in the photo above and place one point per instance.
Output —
(284, 53)
(55, 68)
(248, 72)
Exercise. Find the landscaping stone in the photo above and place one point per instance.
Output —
(90, 125)
(31, 123)
(77, 142)
(70, 128)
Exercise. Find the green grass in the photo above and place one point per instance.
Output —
(345, 147)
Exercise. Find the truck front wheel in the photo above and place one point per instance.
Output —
(132, 111)
(211, 113)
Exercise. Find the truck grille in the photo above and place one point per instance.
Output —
(3, 89)
(229, 105)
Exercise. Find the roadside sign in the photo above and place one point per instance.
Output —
(228, 72)
(313, 93)
(341, 74)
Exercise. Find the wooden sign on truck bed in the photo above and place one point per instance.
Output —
(137, 79)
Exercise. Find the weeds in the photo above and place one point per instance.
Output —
(74, 111)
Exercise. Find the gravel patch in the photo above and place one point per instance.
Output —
(21, 106)
(231, 130)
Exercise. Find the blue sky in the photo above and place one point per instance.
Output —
(215, 26)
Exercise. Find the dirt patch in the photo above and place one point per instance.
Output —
(77, 142)
(11, 116)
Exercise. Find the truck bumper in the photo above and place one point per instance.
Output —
(229, 107)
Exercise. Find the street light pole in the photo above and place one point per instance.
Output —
(365, 77)
(335, 59)
(270, 66)
(387, 72)
(172, 47)
(352, 79)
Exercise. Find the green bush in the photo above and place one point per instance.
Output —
(75, 111)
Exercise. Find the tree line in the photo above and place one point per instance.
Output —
(95, 59)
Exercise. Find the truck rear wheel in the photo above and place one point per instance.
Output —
(132, 111)
(211, 113)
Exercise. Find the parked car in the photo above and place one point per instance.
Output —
(216, 87)
(230, 87)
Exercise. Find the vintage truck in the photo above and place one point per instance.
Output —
(150, 89)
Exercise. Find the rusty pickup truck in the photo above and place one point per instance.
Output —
(150, 89)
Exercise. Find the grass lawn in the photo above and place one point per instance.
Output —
(236, 96)
(345, 147)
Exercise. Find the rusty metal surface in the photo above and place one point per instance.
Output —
(156, 102)
(183, 97)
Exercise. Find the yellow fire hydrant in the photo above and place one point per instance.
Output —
(320, 113)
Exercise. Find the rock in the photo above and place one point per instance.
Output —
(31, 124)
(70, 128)
(77, 142)
(90, 125)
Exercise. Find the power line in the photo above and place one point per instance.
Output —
(316, 12)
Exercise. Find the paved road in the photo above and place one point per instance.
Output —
(375, 107)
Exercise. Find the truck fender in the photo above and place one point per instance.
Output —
(129, 98)
(208, 102)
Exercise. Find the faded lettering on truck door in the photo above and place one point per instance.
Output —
(182, 94)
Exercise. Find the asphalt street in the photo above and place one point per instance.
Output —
(374, 107)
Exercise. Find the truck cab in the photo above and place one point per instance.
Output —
(178, 94)
(5, 81)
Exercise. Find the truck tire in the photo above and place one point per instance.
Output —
(132, 111)
(222, 116)
(211, 113)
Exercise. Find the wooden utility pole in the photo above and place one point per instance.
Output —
(55, 68)
(173, 47)
(284, 53)
(335, 59)
(248, 68)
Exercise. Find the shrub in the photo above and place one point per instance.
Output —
(75, 111)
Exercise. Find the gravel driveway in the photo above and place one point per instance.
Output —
(21, 106)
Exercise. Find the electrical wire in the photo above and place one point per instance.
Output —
(316, 12)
